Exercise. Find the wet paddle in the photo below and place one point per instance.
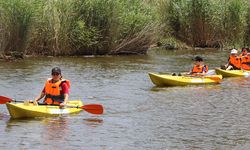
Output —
(208, 75)
(215, 78)
(91, 108)
(4, 100)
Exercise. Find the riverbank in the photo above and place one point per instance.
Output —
(95, 27)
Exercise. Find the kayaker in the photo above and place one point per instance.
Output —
(198, 69)
(234, 62)
(244, 52)
(245, 59)
(56, 89)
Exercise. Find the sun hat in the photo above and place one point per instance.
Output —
(234, 51)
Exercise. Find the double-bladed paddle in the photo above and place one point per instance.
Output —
(91, 108)
(209, 75)
(215, 78)
(4, 100)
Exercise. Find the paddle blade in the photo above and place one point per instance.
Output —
(4, 99)
(215, 78)
(93, 108)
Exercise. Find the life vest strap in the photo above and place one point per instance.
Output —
(247, 63)
(59, 98)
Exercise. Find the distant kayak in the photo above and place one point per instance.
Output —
(21, 110)
(169, 80)
(232, 73)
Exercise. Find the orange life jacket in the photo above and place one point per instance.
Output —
(53, 93)
(245, 62)
(199, 69)
(235, 62)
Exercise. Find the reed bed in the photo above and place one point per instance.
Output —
(100, 27)
(207, 23)
(74, 27)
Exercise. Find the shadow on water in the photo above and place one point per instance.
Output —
(51, 124)
(188, 87)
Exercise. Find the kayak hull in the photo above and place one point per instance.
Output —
(232, 73)
(21, 110)
(169, 80)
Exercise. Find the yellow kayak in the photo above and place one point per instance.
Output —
(169, 80)
(232, 73)
(29, 110)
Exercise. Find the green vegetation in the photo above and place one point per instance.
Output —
(207, 23)
(98, 27)
(76, 27)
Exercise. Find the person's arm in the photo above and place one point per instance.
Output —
(65, 91)
(66, 97)
(190, 71)
(204, 70)
(42, 94)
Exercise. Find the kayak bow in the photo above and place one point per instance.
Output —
(232, 73)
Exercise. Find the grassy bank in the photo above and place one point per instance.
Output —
(76, 27)
(99, 27)
(207, 23)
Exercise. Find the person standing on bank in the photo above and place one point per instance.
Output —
(56, 89)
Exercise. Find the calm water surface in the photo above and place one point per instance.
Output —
(138, 115)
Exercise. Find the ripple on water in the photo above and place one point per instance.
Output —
(137, 116)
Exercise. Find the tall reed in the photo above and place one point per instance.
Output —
(247, 32)
(15, 22)
(206, 23)
(75, 27)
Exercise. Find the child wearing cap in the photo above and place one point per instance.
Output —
(233, 61)
(56, 89)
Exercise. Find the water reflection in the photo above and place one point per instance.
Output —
(13, 123)
(55, 129)
(31, 133)
(188, 87)
(4, 116)
(137, 114)
(93, 122)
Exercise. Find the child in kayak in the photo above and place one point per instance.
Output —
(234, 62)
(245, 59)
(244, 52)
(198, 69)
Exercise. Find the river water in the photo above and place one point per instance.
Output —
(138, 115)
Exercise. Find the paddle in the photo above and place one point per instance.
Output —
(4, 100)
(209, 72)
(209, 75)
(212, 77)
(215, 78)
(91, 108)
